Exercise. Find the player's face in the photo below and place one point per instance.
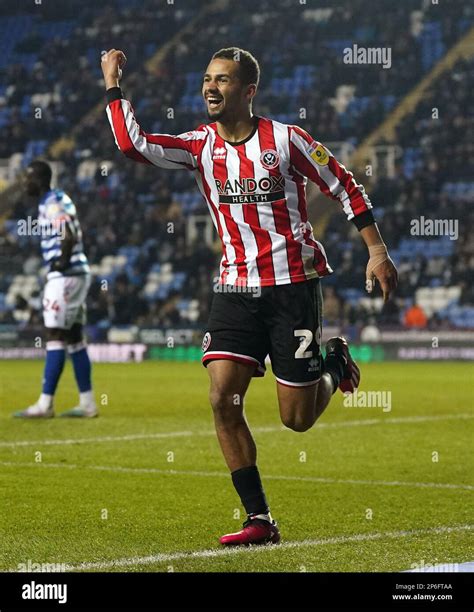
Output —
(224, 93)
(31, 183)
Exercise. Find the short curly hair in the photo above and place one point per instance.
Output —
(249, 69)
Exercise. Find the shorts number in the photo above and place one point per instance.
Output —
(48, 305)
(306, 337)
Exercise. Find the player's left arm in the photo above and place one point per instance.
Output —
(380, 265)
(313, 160)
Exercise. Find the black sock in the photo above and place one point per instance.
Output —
(248, 485)
(334, 366)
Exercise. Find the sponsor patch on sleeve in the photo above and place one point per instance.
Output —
(319, 154)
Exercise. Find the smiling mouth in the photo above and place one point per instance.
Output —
(214, 102)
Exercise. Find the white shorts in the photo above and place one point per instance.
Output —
(64, 301)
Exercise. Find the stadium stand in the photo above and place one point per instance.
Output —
(138, 221)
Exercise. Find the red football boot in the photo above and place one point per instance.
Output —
(338, 346)
(255, 531)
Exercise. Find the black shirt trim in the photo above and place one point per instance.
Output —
(251, 135)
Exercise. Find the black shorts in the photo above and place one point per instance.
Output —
(282, 321)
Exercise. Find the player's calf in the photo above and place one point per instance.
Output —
(298, 418)
(55, 359)
(300, 407)
(77, 349)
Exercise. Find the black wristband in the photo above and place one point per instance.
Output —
(114, 93)
(363, 220)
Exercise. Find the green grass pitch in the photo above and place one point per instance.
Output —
(144, 486)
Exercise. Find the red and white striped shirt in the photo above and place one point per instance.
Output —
(255, 191)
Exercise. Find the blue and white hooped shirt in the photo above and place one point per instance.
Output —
(56, 212)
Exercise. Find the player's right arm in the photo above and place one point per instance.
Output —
(163, 150)
(67, 244)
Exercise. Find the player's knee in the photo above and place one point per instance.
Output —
(225, 404)
(220, 400)
(296, 421)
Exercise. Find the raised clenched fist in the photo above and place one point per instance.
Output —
(112, 62)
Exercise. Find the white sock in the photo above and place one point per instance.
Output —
(263, 517)
(86, 398)
(45, 401)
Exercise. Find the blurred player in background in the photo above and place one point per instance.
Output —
(252, 172)
(65, 292)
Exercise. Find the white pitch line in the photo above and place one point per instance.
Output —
(210, 432)
(384, 483)
(225, 552)
(316, 479)
(126, 438)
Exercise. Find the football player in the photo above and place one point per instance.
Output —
(64, 301)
